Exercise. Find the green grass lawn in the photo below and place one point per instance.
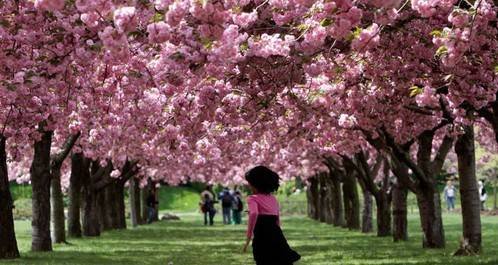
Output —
(178, 199)
(188, 242)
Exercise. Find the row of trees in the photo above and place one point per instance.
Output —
(384, 180)
(172, 91)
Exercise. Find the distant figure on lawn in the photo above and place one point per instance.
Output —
(237, 208)
(269, 245)
(226, 204)
(449, 195)
(207, 205)
(482, 195)
(151, 206)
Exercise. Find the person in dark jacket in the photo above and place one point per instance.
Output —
(207, 205)
(151, 206)
(226, 204)
(237, 208)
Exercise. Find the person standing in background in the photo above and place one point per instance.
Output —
(151, 206)
(482, 195)
(237, 208)
(226, 204)
(207, 205)
(450, 195)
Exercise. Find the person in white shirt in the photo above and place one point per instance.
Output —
(482, 195)
(450, 195)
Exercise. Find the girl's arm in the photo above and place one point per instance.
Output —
(251, 223)
(253, 216)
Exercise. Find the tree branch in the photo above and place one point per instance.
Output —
(57, 159)
(442, 152)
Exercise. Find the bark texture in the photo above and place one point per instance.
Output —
(351, 201)
(312, 196)
(40, 183)
(400, 212)
(367, 218)
(75, 186)
(8, 242)
(56, 196)
(469, 192)
(134, 191)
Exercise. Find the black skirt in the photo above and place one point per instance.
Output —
(269, 245)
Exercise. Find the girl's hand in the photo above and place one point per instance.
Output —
(244, 250)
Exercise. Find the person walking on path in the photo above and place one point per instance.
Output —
(482, 195)
(226, 204)
(237, 208)
(450, 195)
(151, 206)
(207, 205)
(269, 245)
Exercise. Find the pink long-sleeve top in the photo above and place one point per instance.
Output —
(261, 204)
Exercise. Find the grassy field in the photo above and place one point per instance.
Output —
(188, 242)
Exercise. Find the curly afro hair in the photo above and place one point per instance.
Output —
(263, 179)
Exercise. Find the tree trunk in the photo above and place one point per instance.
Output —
(102, 209)
(156, 206)
(367, 219)
(351, 203)
(110, 208)
(120, 206)
(312, 194)
(145, 194)
(400, 220)
(40, 183)
(58, 219)
(469, 192)
(495, 195)
(113, 206)
(91, 222)
(329, 201)
(383, 215)
(8, 246)
(134, 202)
(73, 219)
(322, 209)
(337, 200)
(429, 204)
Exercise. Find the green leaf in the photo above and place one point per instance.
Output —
(5, 23)
(436, 33)
(302, 27)
(11, 87)
(496, 68)
(135, 74)
(158, 17)
(177, 56)
(441, 50)
(96, 47)
(354, 34)
(415, 90)
(244, 46)
(207, 43)
(325, 22)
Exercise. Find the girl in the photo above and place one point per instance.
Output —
(268, 242)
